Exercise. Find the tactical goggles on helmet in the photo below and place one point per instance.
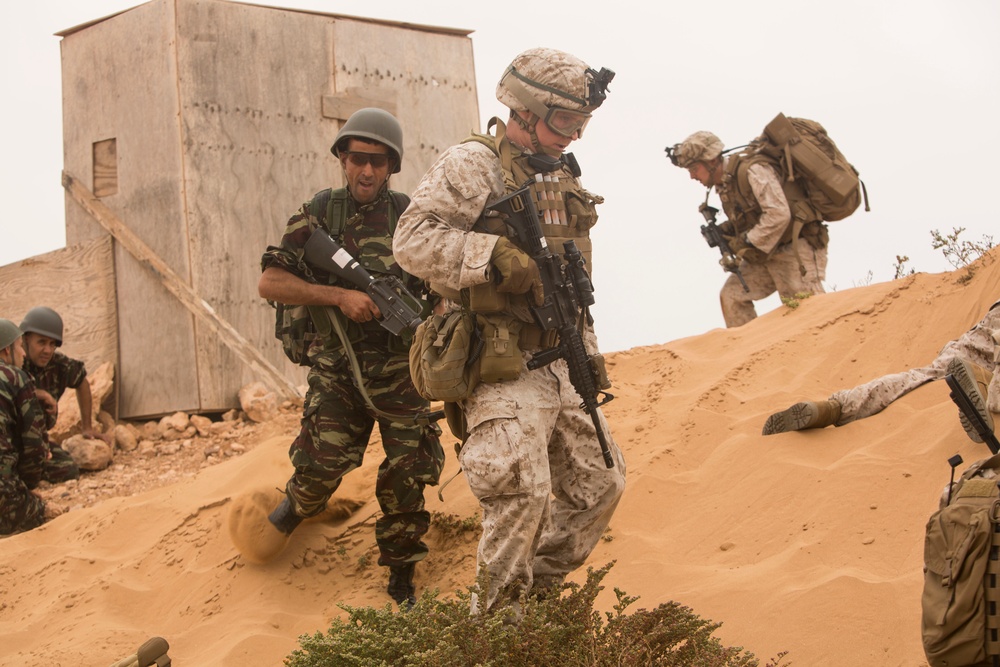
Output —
(566, 122)
(360, 159)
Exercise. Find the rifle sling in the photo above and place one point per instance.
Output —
(423, 418)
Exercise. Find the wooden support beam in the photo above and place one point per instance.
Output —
(188, 298)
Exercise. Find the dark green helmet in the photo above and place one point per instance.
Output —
(8, 333)
(45, 321)
(372, 124)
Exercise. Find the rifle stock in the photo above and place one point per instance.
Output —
(565, 291)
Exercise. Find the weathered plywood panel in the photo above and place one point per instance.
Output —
(255, 148)
(434, 79)
(120, 83)
(78, 283)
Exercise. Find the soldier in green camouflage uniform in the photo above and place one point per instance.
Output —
(337, 421)
(22, 439)
(52, 373)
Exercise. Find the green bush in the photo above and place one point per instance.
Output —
(556, 630)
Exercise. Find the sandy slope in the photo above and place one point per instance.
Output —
(807, 542)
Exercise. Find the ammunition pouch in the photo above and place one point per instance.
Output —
(600, 371)
(501, 358)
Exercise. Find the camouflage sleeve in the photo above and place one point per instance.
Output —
(992, 323)
(288, 255)
(433, 238)
(75, 372)
(33, 440)
(775, 213)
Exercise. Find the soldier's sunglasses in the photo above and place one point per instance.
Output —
(360, 159)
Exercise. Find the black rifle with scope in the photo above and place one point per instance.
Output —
(400, 310)
(568, 297)
(713, 236)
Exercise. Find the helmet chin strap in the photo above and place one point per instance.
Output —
(529, 127)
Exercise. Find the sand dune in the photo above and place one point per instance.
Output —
(807, 542)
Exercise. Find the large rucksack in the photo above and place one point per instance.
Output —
(298, 327)
(961, 619)
(803, 152)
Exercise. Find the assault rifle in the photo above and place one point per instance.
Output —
(400, 309)
(568, 293)
(713, 236)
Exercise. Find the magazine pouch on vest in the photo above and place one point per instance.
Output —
(501, 357)
(444, 356)
(808, 155)
(961, 619)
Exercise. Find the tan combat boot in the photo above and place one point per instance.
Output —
(974, 381)
(802, 416)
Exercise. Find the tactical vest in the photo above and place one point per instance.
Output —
(330, 208)
(743, 209)
(566, 210)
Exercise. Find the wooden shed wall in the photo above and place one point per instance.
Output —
(120, 83)
(223, 115)
(78, 283)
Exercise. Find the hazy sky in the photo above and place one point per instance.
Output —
(908, 89)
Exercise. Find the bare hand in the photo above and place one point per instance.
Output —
(93, 434)
(359, 306)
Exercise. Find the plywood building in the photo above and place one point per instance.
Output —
(203, 125)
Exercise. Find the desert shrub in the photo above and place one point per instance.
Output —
(560, 630)
(959, 252)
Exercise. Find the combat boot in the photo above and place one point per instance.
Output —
(401, 587)
(974, 381)
(259, 532)
(284, 517)
(801, 416)
(153, 653)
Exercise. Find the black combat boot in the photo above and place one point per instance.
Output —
(401, 587)
(284, 517)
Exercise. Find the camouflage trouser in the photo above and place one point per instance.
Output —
(533, 461)
(61, 467)
(780, 273)
(978, 345)
(20, 509)
(336, 426)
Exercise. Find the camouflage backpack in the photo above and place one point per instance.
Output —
(298, 327)
(803, 152)
(961, 618)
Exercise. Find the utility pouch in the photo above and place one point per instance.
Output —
(600, 371)
(816, 234)
(444, 356)
(484, 298)
(501, 359)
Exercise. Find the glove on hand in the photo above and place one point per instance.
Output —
(729, 263)
(744, 250)
(518, 272)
